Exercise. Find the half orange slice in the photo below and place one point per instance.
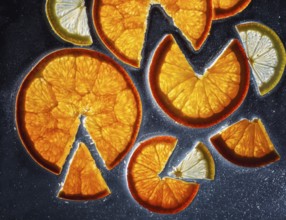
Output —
(198, 100)
(84, 180)
(228, 8)
(161, 195)
(246, 143)
(66, 85)
(121, 25)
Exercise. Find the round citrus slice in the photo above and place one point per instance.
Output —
(265, 52)
(246, 143)
(161, 195)
(198, 100)
(198, 164)
(69, 21)
(228, 8)
(69, 84)
(84, 180)
(121, 25)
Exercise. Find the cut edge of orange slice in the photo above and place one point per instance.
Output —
(95, 173)
(158, 56)
(131, 183)
(228, 154)
(226, 13)
(19, 103)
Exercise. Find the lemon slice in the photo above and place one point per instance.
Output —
(68, 19)
(266, 54)
(198, 164)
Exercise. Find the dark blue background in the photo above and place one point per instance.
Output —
(29, 192)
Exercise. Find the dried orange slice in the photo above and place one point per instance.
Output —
(246, 143)
(70, 83)
(198, 100)
(266, 54)
(198, 164)
(228, 8)
(161, 195)
(69, 21)
(121, 24)
(84, 180)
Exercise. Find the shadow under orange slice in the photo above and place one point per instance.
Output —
(228, 8)
(162, 195)
(121, 24)
(84, 180)
(66, 85)
(198, 100)
(246, 143)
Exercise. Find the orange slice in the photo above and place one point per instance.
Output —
(84, 180)
(121, 25)
(70, 83)
(161, 195)
(228, 8)
(198, 100)
(246, 143)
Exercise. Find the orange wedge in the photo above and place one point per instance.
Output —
(70, 83)
(246, 143)
(121, 25)
(198, 100)
(84, 180)
(161, 195)
(228, 8)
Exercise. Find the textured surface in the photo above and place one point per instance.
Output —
(29, 192)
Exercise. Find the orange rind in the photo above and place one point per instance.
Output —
(162, 195)
(246, 143)
(198, 100)
(66, 85)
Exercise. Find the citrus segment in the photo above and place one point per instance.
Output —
(84, 180)
(198, 164)
(122, 24)
(69, 21)
(266, 54)
(192, 99)
(162, 195)
(227, 8)
(246, 143)
(66, 85)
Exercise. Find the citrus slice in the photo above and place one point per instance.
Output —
(228, 8)
(66, 85)
(161, 195)
(69, 21)
(246, 143)
(198, 100)
(198, 164)
(265, 52)
(121, 25)
(84, 180)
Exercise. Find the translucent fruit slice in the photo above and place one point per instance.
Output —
(66, 85)
(198, 164)
(121, 24)
(84, 180)
(69, 21)
(198, 100)
(228, 8)
(246, 143)
(265, 52)
(164, 195)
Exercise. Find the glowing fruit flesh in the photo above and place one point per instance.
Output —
(228, 8)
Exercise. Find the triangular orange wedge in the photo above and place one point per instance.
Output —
(246, 143)
(66, 85)
(161, 195)
(198, 100)
(84, 180)
(121, 25)
(228, 8)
